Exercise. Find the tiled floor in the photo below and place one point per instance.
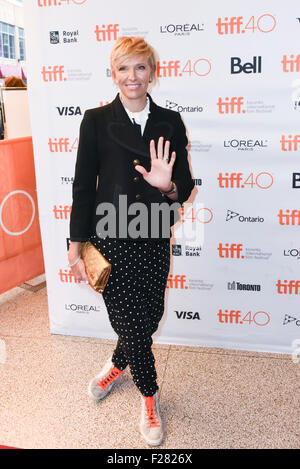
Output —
(210, 398)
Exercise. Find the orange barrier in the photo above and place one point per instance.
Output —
(21, 255)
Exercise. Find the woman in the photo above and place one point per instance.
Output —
(132, 155)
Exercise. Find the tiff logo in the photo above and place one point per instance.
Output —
(290, 143)
(292, 64)
(62, 212)
(232, 180)
(63, 144)
(288, 218)
(168, 69)
(232, 251)
(55, 73)
(286, 287)
(178, 281)
(58, 145)
(230, 26)
(107, 33)
(231, 317)
(232, 106)
(66, 276)
(48, 3)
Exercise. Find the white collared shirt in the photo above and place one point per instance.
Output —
(140, 117)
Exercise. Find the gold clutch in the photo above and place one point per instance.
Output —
(96, 266)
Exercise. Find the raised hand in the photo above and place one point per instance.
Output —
(160, 174)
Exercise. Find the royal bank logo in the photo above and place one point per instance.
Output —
(54, 37)
(67, 37)
(177, 250)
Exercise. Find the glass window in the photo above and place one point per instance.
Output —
(7, 41)
(21, 44)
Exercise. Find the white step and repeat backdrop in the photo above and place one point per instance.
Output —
(232, 69)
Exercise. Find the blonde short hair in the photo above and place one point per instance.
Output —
(127, 46)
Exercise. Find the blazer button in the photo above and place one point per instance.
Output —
(135, 162)
(138, 196)
(136, 179)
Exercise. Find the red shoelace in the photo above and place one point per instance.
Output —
(113, 374)
(151, 414)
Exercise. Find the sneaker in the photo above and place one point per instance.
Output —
(151, 424)
(102, 384)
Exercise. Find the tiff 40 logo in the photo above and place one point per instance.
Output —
(58, 3)
(239, 25)
(233, 316)
(175, 68)
(263, 180)
(192, 220)
(200, 214)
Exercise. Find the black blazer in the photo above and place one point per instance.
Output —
(109, 147)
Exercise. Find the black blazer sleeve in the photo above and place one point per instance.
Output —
(181, 171)
(85, 180)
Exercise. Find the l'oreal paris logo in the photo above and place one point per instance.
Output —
(181, 29)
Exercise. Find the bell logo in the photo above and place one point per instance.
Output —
(107, 33)
(231, 106)
(55, 73)
(248, 67)
(230, 251)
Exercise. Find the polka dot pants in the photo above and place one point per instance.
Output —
(134, 298)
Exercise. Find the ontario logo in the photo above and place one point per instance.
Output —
(180, 108)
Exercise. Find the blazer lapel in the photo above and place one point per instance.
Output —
(123, 132)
